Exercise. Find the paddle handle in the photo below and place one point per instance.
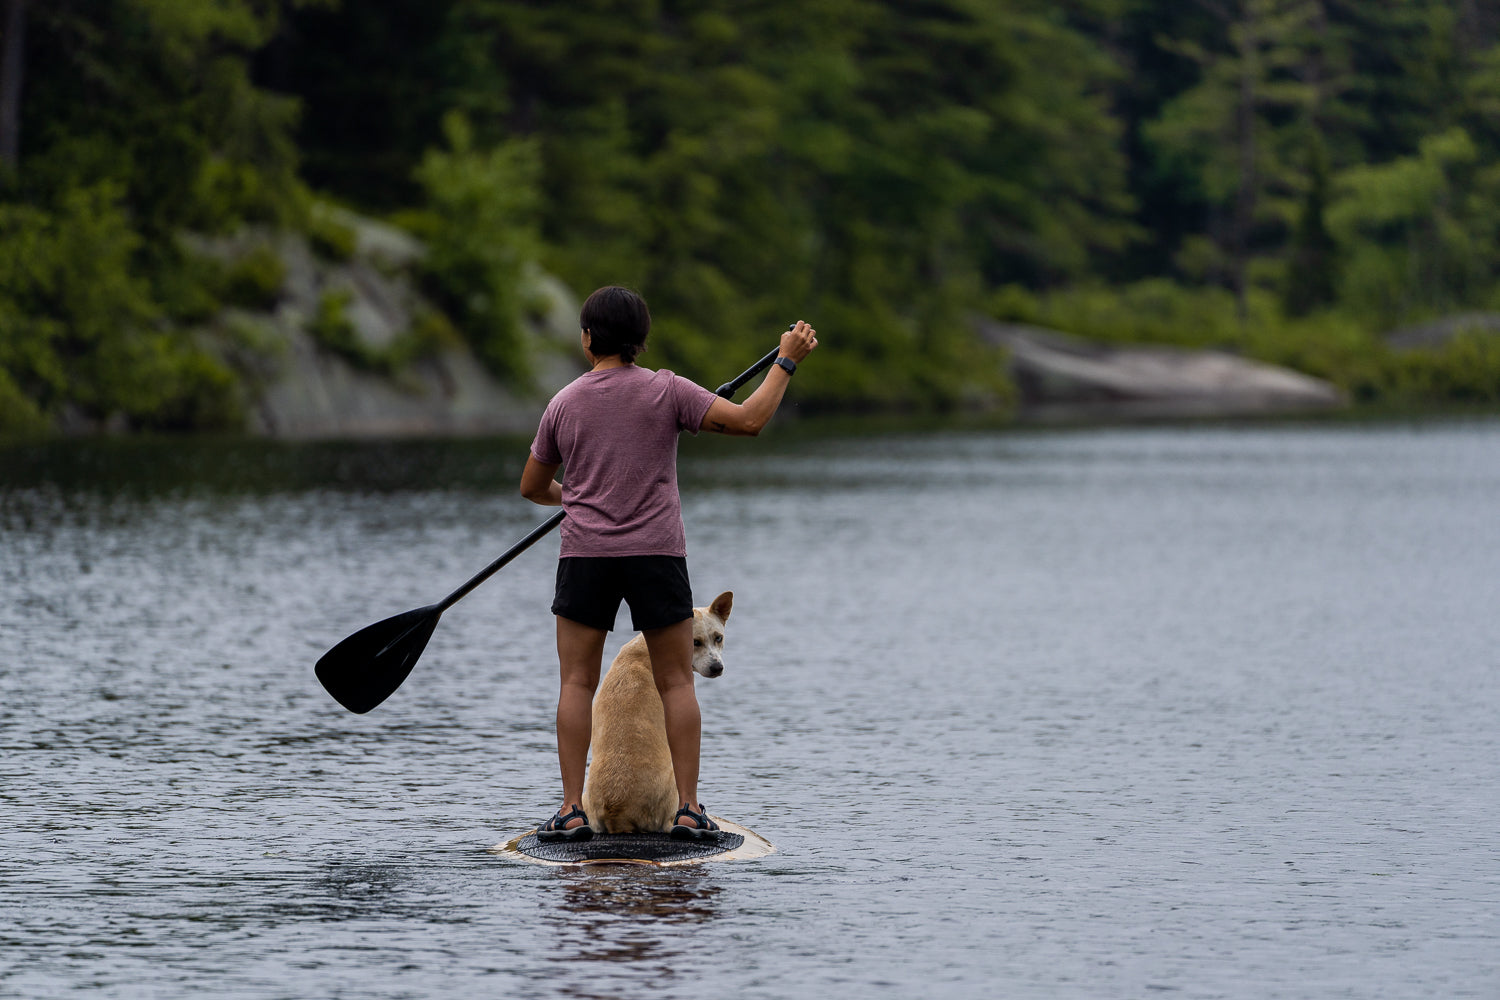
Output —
(727, 390)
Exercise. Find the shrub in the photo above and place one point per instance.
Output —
(431, 333)
(18, 415)
(1330, 346)
(329, 238)
(189, 285)
(478, 224)
(1465, 370)
(1419, 231)
(182, 388)
(1156, 311)
(254, 281)
(332, 330)
(74, 308)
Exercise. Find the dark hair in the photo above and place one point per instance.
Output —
(617, 322)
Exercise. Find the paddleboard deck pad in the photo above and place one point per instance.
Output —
(657, 850)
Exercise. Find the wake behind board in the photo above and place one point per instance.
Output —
(658, 850)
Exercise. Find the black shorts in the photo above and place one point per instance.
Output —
(589, 590)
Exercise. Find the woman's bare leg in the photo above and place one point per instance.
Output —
(580, 653)
(671, 651)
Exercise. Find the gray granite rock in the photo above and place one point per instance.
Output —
(1064, 377)
(301, 389)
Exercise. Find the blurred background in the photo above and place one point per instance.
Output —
(304, 217)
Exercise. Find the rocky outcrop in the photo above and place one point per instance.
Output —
(300, 388)
(1062, 377)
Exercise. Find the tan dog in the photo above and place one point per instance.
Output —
(631, 787)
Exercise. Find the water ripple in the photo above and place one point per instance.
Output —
(1198, 711)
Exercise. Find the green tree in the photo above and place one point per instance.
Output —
(875, 162)
(140, 121)
(1420, 232)
(156, 94)
(78, 323)
(1235, 132)
(481, 239)
(1312, 263)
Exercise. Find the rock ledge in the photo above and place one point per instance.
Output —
(1060, 377)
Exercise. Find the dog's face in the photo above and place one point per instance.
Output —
(708, 635)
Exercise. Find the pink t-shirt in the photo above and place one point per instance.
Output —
(614, 432)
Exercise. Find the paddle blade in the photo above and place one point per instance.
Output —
(366, 668)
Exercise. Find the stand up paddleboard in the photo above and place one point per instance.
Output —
(732, 842)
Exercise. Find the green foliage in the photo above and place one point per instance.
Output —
(1279, 177)
(81, 325)
(19, 416)
(174, 386)
(481, 241)
(1328, 346)
(330, 239)
(156, 95)
(1312, 265)
(139, 118)
(1420, 231)
(1152, 311)
(333, 330)
(1325, 344)
(66, 285)
(1465, 370)
(255, 280)
(1234, 136)
(188, 286)
(431, 333)
(743, 165)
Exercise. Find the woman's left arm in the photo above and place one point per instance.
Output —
(538, 484)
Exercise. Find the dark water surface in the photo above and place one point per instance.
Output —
(1209, 712)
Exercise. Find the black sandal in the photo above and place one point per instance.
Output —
(557, 827)
(681, 831)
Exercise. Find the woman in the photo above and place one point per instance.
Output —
(614, 432)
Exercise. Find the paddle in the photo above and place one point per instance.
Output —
(366, 668)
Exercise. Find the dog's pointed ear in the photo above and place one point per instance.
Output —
(720, 607)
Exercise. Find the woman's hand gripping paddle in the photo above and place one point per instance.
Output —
(366, 668)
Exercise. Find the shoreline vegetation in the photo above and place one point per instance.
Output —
(314, 218)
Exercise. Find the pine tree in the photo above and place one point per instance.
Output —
(1312, 268)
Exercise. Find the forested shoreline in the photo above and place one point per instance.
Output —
(1287, 179)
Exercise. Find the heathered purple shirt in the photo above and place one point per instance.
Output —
(615, 433)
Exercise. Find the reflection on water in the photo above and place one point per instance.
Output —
(1091, 713)
(153, 468)
(628, 914)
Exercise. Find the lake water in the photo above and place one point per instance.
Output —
(1210, 712)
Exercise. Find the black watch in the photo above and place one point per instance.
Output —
(787, 365)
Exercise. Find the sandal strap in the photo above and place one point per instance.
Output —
(559, 821)
(700, 818)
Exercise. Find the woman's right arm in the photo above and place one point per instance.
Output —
(750, 417)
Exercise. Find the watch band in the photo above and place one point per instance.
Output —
(787, 365)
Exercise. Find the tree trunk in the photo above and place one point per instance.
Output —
(12, 70)
(1244, 202)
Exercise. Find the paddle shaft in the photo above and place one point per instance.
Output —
(727, 390)
(531, 539)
